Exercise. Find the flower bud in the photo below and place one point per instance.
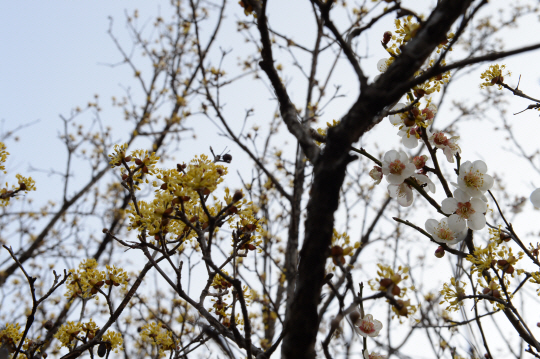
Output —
(227, 158)
(439, 252)
(238, 195)
(105, 230)
(336, 251)
(354, 316)
(396, 290)
(387, 36)
(125, 176)
(48, 325)
(164, 186)
(22, 186)
(128, 159)
(102, 350)
(385, 282)
(138, 162)
(145, 169)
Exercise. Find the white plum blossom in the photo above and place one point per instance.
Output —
(465, 212)
(368, 327)
(473, 179)
(373, 355)
(441, 232)
(535, 198)
(376, 174)
(396, 167)
(409, 136)
(396, 119)
(448, 145)
(403, 193)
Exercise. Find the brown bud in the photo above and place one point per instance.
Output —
(354, 316)
(125, 176)
(194, 219)
(496, 293)
(227, 158)
(251, 247)
(336, 251)
(439, 252)
(48, 325)
(145, 169)
(419, 93)
(510, 269)
(386, 282)
(164, 186)
(486, 291)
(102, 350)
(233, 210)
(220, 171)
(138, 162)
(105, 230)
(186, 198)
(108, 282)
(238, 195)
(22, 186)
(502, 262)
(168, 210)
(128, 159)
(409, 121)
(505, 237)
(387, 36)
(396, 290)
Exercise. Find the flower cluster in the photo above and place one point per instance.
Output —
(494, 75)
(158, 336)
(398, 168)
(86, 281)
(24, 184)
(341, 247)
(453, 294)
(389, 281)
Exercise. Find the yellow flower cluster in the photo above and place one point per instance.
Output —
(453, 294)
(70, 332)
(387, 281)
(115, 340)
(323, 132)
(341, 247)
(434, 84)
(10, 336)
(494, 75)
(143, 163)
(23, 184)
(155, 334)
(86, 281)
(406, 30)
(180, 205)
(494, 255)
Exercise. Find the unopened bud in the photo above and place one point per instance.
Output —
(227, 158)
(387, 36)
(354, 316)
(238, 195)
(48, 325)
(138, 161)
(439, 252)
(336, 251)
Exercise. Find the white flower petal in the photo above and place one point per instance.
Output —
(449, 205)
(456, 223)
(479, 166)
(535, 197)
(477, 221)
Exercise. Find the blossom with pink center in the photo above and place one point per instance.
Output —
(448, 145)
(376, 174)
(373, 355)
(368, 327)
(465, 212)
(420, 161)
(473, 179)
(409, 136)
(442, 233)
(396, 166)
(535, 198)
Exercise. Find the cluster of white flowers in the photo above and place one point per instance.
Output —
(397, 167)
(468, 206)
